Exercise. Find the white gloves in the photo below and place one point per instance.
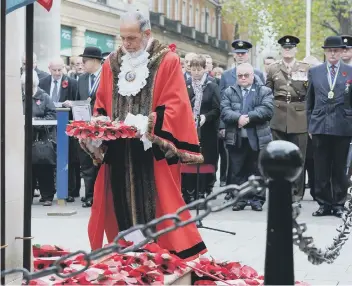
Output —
(202, 120)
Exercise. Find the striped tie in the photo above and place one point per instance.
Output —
(332, 73)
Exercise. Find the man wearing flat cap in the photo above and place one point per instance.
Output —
(329, 116)
(347, 52)
(288, 80)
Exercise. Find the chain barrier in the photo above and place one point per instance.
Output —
(318, 256)
(253, 185)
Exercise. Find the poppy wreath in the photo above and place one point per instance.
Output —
(100, 130)
(149, 266)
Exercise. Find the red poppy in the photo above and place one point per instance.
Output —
(248, 272)
(172, 47)
(344, 73)
(349, 81)
(64, 84)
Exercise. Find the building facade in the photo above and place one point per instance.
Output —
(193, 25)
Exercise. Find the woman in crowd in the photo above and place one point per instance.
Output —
(205, 101)
(43, 137)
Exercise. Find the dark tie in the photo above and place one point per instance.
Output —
(55, 92)
(332, 73)
(92, 81)
(245, 100)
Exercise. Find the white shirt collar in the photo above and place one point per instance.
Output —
(248, 88)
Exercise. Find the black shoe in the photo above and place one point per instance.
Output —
(337, 212)
(70, 199)
(41, 200)
(322, 211)
(87, 204)
(237, 208)
(257, 207)
(83, 199)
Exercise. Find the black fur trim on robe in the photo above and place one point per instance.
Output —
(133, 191)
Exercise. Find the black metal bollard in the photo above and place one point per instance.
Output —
(281, 162)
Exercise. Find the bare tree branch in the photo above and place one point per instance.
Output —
(328, 26)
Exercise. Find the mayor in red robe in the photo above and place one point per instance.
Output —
(135, 185)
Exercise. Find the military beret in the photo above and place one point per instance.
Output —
(241, 46)
(347, 40)
(288, 41)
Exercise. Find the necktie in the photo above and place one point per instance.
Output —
(332, 73)
(245, 100)
(55, 92)
(92, 81)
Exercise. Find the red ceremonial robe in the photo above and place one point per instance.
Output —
(172, 128)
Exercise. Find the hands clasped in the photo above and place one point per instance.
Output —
(243, 120)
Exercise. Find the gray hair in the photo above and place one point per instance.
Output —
(35, 79)
(137, 17)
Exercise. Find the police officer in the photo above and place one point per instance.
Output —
(347, 52)
(288, 79)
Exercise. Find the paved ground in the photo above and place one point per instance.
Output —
(247, 246)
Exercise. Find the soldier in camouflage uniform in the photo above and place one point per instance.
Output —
(288, 80)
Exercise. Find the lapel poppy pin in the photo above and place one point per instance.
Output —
(38, 102)
(64, 83)
(344, 73)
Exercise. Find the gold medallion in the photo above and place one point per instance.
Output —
(331, 94)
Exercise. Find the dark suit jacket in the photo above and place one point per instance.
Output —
(83, 89)
(329, 116)
(67, 93)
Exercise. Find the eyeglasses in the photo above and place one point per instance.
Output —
(246, 75)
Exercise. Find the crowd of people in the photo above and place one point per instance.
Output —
(304, 102)
(237, 112)
(188, 112)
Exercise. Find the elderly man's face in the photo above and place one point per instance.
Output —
(333, 55)
(56, 70)
(133, 40)
(245, 76)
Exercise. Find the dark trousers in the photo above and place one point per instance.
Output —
(243, 163)
(300, 140)
(74, 179)
(331, 183)
(223, 156)
(309, 168)
(44, 175)
(89, 173)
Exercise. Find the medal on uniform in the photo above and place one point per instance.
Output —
(130, 76)
(331, 93)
